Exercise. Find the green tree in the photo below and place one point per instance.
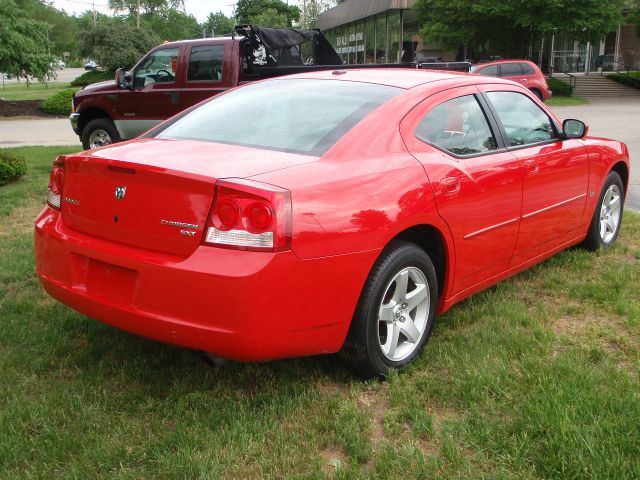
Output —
(268, 13)
(508, 27)
(149, 7)
(24, 45)
(116, 43)
(218, 23)
(171, 24)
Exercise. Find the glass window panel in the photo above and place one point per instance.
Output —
(524, 122)
(510, 70)
(296, 115)
(410, 36)
(370, 41)
(381, 39)
(457, 126)
(360, 43)
(205, 63)
(394, 27)
(157, 67)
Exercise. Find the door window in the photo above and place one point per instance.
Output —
(524, 122)
(510, 70)
(491, 70)
(526, 69)
(205, 63)
(457, 126)
(158, 67)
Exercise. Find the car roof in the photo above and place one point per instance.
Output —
(509, 60)
(396, 77)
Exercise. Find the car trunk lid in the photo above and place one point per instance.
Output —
(156, 194)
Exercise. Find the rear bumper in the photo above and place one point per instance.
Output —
(239, 305)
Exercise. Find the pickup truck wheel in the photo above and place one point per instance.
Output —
(98, 133)
(394, 316)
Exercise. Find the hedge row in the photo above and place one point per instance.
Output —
(559, 88)
(92, 76)
(12, 167)
(631, 80)
(60, 103)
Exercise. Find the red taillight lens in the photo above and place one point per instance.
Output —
(56, 182)
(259, 216)
(228, 211)
(249, 215)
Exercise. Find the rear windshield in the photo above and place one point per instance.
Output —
(298, 115)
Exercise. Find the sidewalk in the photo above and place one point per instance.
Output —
(29, 131)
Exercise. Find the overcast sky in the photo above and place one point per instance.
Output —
(198, 8)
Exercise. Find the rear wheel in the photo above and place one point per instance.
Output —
(607, 216)
(98, 133)
(395, 313)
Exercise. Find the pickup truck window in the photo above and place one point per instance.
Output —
(205, 63)
(159, 66)
(298, 115)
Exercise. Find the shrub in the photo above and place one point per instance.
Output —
(12, 166)
(60, 103)
(559, 88)
(92, 76)
(631, 80)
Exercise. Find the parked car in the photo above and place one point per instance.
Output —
(177, 75)
(324, 212)
(521, 71)
(90, 65)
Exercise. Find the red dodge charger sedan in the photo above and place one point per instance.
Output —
(324, 212)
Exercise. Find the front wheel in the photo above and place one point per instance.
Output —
(607, 217)
(98, 133)
(394, 316)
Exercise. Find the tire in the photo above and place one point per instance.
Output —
(607, 216)
(98, 133)
(384, 313)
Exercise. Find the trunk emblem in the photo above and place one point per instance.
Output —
(120, 192)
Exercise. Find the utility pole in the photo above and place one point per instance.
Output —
(138, 15)
(94, 13)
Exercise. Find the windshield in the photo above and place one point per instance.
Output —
(298, 115)
(473, 68)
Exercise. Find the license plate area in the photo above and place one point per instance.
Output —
(104, 279)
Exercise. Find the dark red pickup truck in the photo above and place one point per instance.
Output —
(174, 76)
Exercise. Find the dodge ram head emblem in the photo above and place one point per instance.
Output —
(120, 191)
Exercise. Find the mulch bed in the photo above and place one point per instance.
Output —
(24, 108)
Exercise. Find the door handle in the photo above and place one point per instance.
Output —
(531, 165)
(524, 80)
(450, 185)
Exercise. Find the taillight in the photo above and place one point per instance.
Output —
(248, 215)
(56, 182)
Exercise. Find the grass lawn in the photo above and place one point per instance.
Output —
(537, 377)
(566, 101)
(35, 91)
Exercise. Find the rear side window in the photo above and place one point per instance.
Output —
(526, 69)
(510, 70)
(298, 115)
(491, 70)
(205, 63)
(525, 123)
(457, 126)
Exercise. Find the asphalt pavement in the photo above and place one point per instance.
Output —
(65, 75)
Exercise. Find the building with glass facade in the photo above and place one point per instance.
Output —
(377, 31)
(386, 31)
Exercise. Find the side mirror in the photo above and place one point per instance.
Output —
(572, 128)
(123, 79)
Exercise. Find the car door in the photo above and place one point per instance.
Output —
(206, 74)
(513, 71)
(155, 95)
(554, 171)
(476, 181)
